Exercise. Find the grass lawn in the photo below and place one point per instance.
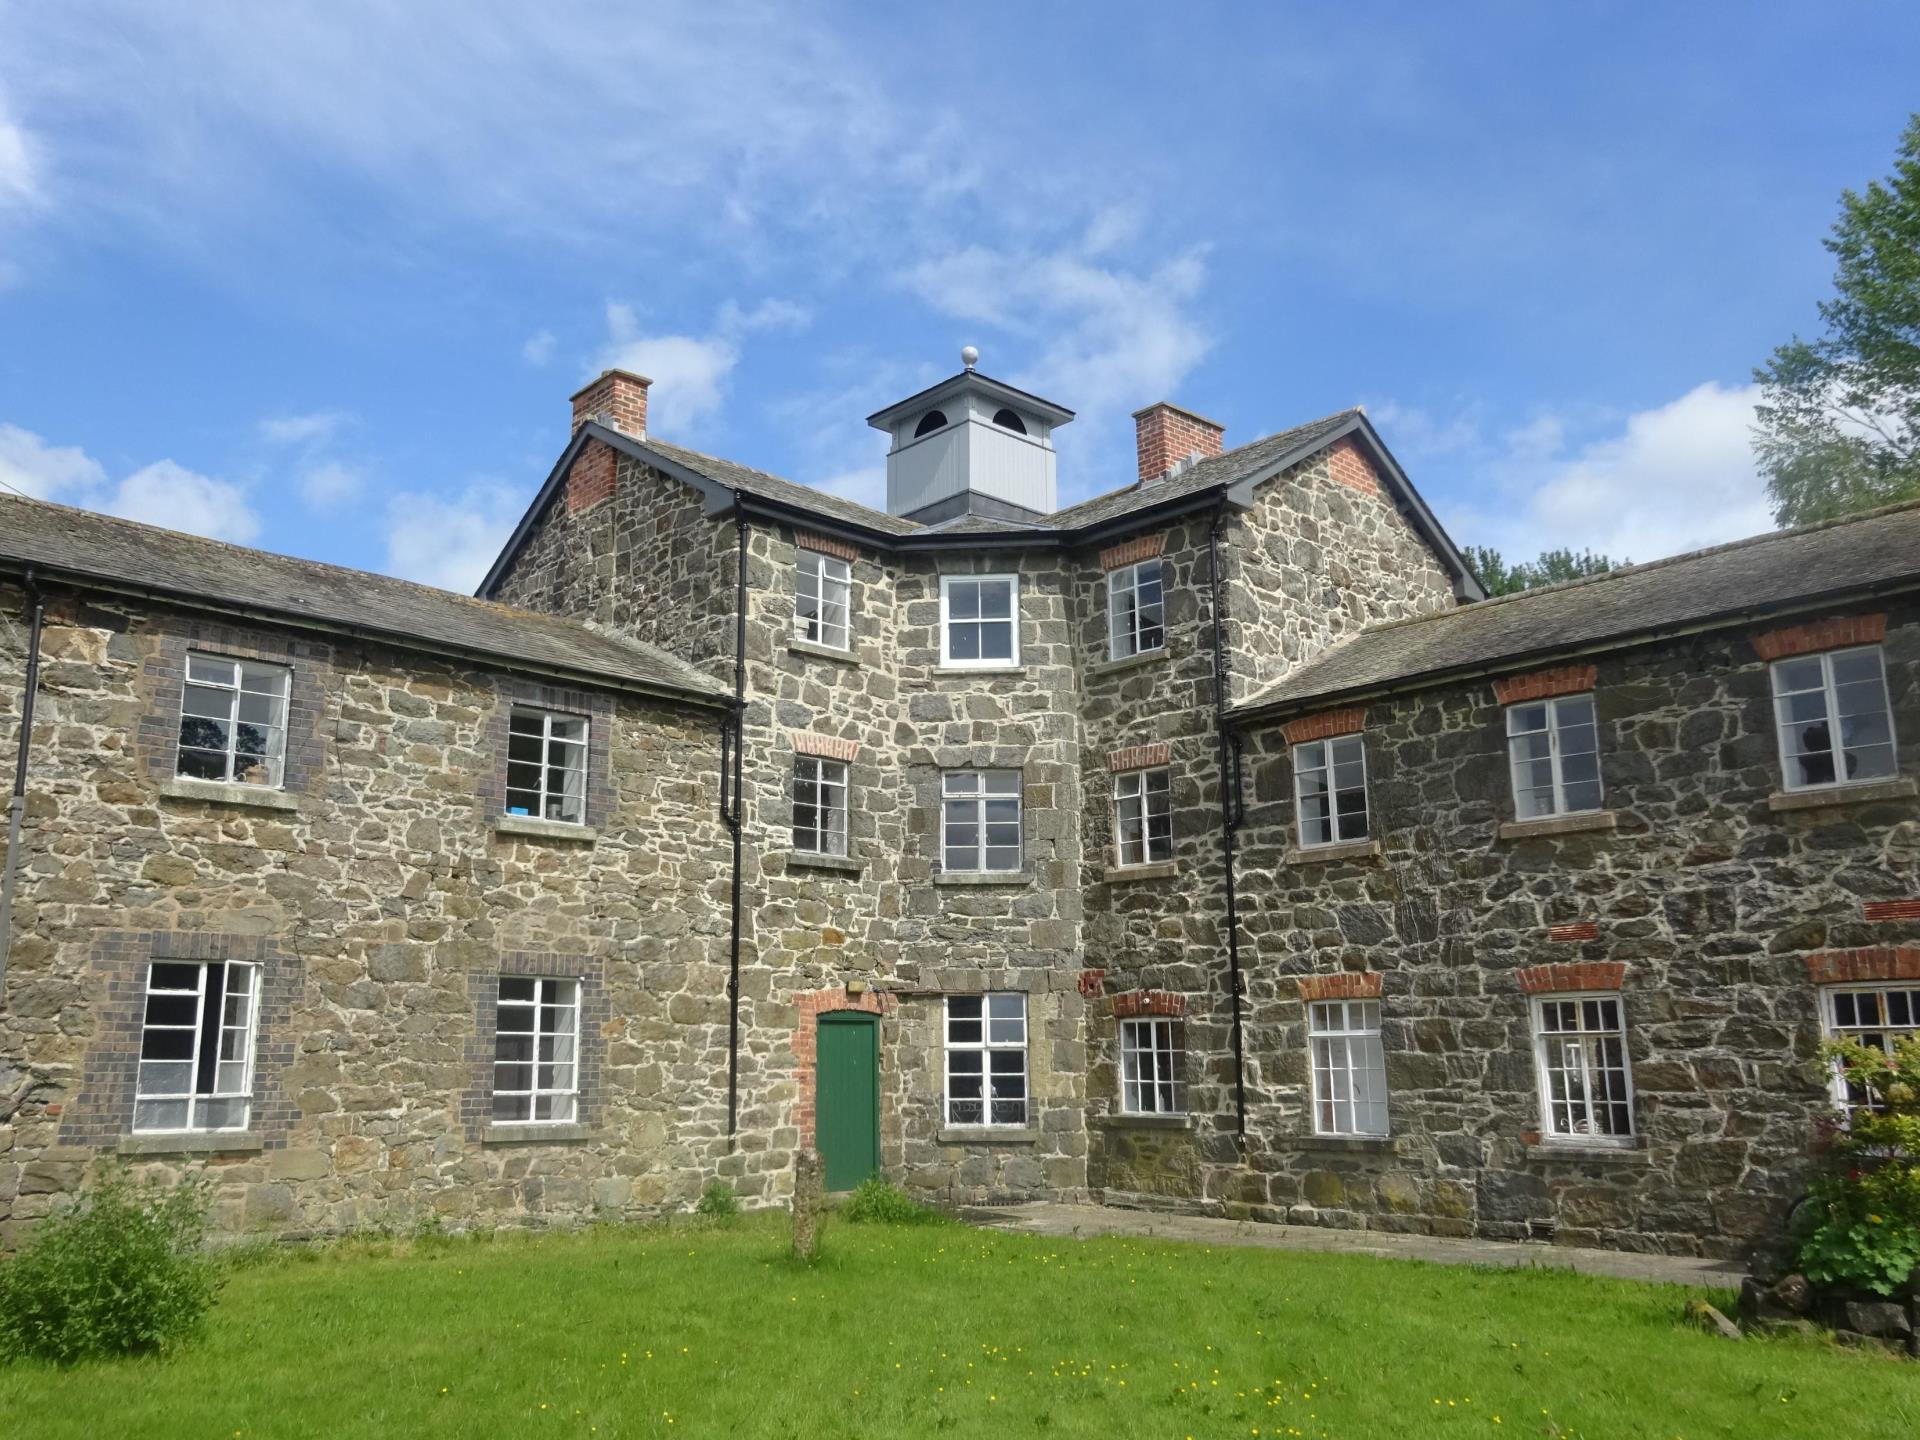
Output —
(941, 1330)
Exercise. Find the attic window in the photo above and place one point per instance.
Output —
(929, 422)
(1007, 420)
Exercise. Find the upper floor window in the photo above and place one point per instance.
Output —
(1580, 1050)
(1150, 1063)
(929, 422)
(819, 805)
(1555, 752)
(979, 620)
(1349, 1067)
(1330, 790)
(233, 721)
(1136, 612)
(822, 599)
(196, 1046)
(987, 1059)
(536, 1054)
(980, 820)
(1143, 816)
(547, 765)
(1007, 420)
(1835, 725)
(1876, 1017)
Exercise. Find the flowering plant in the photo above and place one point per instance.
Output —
(1865, 1220)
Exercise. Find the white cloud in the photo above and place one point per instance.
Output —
(689, 372)
(19, 166)
(163, 493)
(539, 348)
(315, 428)
(450, 541)
(330, 484)
(46, 472)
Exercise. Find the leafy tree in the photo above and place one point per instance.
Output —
(1839, 416)
(1552, 567)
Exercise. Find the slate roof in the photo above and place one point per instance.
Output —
(787, 492)
(1730, 584)
(64, 543)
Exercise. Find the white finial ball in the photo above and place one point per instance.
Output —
(969, 356)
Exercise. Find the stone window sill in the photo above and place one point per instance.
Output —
(824, 652)
(205, 1142)
(984, 877)
(534, 1134)
(1345, 1144)
(1546, 1152)
(989, 1135)
(1842, 795)
(223, 792)
(979, 669)
(1159, 870)
(1122, 1120)
(813, 860)
(1128, 662)
(537, 829)
(1558, 825)
(1327, 854)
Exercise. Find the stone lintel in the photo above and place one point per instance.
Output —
(532, 827)
(984, 877)
(202, 1142)
(1159, 870)
(1124, 1120)
(1545, 1151)
(989, 1135)
(1327, 854)
(1344, 1144)
(1901, 789)
(559, 1134)
(222, 792)
(1586, 821)
(823, 652)
(813, 860)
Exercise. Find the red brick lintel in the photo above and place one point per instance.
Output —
(1347, 985)
(1325, 725)
(1871, 962)
(827, 747)
(1811, 636)
(1892, 909)
(1574, 930)
(1148, 1002)
(826, 545)
(1140, 757)
(1132, 552)
(1587, 975)
(1544, 684)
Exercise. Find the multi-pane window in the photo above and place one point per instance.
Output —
(1349, 1067)
(1136, 613)
(233, 721)
(547, 766)
(980, 820)
(536, 1054)
(819, 805)
(980, 620)
(1835, 725)
(987, 1059)
(1143, 816)
(1330, 790)
(1580, 1046)
(196, 1046)
(822, 591)
(1150, 1063)
(1555, 749)
(1875, 1017)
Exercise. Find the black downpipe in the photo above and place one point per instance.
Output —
(732, 746)
(17, 807)
(1230, 816)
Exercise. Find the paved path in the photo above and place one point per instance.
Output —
(1083, 1221)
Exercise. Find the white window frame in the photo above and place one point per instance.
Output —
(1337, 831)
(202, 675)
(562, 1100)
(947, 622)
(986, 1048)
(543, 795)
(955, 796)
(1867, 1034)
(827, 580)
(1830, 692)
(233, 1060)
(1349, 1064)
(1137, 804)
(828, 781)
(1152, 1059)
(1556, 760)
(1543, 1069)
(1126, 626)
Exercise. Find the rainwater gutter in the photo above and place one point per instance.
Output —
(17, 809)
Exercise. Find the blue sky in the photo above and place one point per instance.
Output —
(320, 278)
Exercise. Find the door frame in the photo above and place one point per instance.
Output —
(870, 1021)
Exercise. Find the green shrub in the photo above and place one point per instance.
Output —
(875, 1202)
(718, 1202)
(122, 1273)
(1864, 1230)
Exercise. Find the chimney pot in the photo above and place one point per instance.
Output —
(617, 400)
(1166, 437)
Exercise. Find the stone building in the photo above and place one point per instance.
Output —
(1212, 844)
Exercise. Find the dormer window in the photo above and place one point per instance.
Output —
(1007, 420)
(931, 421)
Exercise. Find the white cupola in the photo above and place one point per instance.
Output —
(971, 446)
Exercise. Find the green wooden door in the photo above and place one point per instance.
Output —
(846, 1120)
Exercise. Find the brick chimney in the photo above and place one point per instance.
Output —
(1164, 435)
(617, 400)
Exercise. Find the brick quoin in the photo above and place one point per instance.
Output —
(806, 1045)
(828, 747)
(1573, 930)
(1139, 757)
(1586, 975)
(1348, 466)
(1347, 985)
(591, 479)
(1871, 962)
(617, 399)
(1325, 725)
(1164, 435)
(1544, 684)
(1832, 633)
(1132, 552)
(826, 545)
(1892, 909)
(1148, 1002)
